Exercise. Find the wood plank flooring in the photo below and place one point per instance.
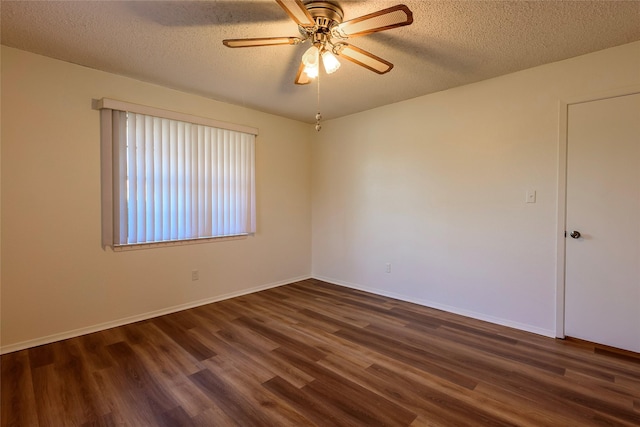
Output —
(312, 353)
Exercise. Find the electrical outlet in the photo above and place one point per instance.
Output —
(195, 275)
(388, 267)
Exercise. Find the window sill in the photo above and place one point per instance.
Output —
(169, 243)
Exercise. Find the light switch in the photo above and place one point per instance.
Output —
(531, 196)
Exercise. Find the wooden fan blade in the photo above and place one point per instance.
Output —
(365, 59)
(386, 19)
(264, 41)
(296, 11)
(301, 77)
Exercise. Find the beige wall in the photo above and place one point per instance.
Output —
(436, 186)
(56, 279)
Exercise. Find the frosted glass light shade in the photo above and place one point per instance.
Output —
(330, 62)
(311, 59)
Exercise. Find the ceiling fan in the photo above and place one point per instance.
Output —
(320, 22)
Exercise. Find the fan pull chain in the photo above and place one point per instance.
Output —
(318, 116)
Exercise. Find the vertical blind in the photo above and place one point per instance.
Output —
(175, 180)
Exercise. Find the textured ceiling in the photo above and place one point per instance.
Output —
(179, 44)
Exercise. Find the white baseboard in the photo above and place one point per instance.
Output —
(144, 316)
(468, 313)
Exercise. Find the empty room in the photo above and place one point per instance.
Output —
(320, 213)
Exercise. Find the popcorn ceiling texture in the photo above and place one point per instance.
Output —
(178, 44)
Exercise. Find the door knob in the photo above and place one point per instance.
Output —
(575, 234)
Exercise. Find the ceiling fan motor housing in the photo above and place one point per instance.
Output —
(325, 14)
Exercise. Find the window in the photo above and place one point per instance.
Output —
(170, 177)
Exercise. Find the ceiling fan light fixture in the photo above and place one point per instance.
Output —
(330, 62)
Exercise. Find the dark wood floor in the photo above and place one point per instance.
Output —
(312, 353)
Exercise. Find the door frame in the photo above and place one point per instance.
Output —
(561, 242)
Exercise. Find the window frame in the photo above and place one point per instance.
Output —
(109, 180)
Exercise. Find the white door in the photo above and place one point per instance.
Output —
(602, 282)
